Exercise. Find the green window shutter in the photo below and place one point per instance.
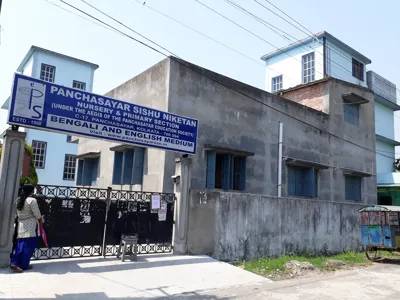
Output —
(227, 172)
(94, 171)
(117, 171)
(79, 175)
(353, 188)
(242, 174)
(291, 181)
(299, 181)
(128, 167)
(310, 189)
(138, 161)
(87, 172)
(358, 188)
(211, 164)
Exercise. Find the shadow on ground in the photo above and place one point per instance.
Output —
(102, 296)
(390, 261)
(112, 264)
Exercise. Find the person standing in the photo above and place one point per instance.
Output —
(29, 220)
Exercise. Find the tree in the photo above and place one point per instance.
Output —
(397, 164)
(32, 177)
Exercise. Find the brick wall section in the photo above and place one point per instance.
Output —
(311, 95)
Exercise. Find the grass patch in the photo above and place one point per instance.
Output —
(274, 267)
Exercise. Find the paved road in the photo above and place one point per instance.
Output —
(381, 281)
(151, 277)
(188, 278)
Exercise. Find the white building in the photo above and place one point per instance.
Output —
(54, 153)
(324, 55)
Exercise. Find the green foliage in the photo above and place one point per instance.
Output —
(32, 177)
(276, 265)
(397, 164)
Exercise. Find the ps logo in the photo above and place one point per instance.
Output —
(29, 99)
(32, 93)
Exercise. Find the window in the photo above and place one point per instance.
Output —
(302, 182)
(47, 73)
(69, 167)
(308, 68)
(226, 171)
(358, 69)
(79, 85)
(351, 112)
(385, 200)
(128, 166)
(353, 188)
(69, 139)
(88, 170)
(277, 83)
(39, 153)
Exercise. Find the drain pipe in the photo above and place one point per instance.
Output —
(280, 160)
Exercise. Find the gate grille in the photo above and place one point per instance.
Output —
(74, 221)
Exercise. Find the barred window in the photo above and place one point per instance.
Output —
(358, 69)
(276, 84)
(47, 73)
(79, 85)
(39, 153)
(69, 167)
(308, 67)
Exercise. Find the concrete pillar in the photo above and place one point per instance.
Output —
(182, 180)
(10, 173)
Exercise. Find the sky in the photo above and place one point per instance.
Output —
(366, 25)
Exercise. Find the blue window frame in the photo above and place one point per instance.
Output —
(302, 182)
(353, 188)
(351, 113)
(88, 170)
(277, 83)
(128, 166)
(226, 171)
(308, 67)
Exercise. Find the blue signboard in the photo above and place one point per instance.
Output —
(47, 106)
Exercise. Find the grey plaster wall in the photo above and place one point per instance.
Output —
(238, 226)
(150, 88)
(235, 115)
(227, 117)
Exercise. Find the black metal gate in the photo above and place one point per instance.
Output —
(74, 221)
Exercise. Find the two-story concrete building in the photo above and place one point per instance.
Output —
(321, 56)
(54, 154)
(239, 128)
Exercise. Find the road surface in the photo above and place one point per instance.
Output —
(380, 281)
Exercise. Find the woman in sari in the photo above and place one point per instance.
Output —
(29, 218)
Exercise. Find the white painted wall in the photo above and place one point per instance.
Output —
(67, 70)
(384, 158)
(384, 121)
(397, 130)
(57, 147)
(28, 67)
(388, 178)
(289, 65)
(341, 64)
